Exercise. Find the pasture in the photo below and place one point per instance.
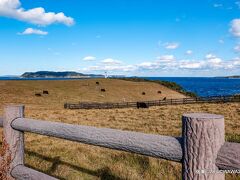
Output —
(69, 160)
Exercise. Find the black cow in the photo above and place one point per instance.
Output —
(45, 92)
(142, 105)
(143, 93)
(103, 90)
(159, 92)
(97, 83)
(38, 94)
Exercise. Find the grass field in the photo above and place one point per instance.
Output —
(70, 160)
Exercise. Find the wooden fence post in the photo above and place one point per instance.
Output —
(13, 141)
(203, 136)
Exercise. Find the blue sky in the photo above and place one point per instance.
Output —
(144, 38)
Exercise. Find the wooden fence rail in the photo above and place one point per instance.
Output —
(108, 105)
(201, 147)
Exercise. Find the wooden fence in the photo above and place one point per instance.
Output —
(202, 149)
(212, 99)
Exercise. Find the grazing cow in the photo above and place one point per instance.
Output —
(103, 90)
(97, 83)
(142, 105)
(38, 94)
(159, 92)
(164, 98)
(143, 93)
(45, 92)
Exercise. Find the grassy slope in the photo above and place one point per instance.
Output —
(69, 160)
(171, 85)
(83, 90)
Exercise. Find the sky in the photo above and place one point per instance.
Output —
(134, 38)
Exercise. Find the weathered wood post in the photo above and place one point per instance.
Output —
(13, 140)
(203, 136)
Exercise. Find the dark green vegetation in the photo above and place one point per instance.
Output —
(230, 77)
(52, 74)
(171, 85)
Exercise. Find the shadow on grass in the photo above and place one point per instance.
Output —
(103, 173)
(232, 138)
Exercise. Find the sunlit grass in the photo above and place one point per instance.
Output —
(70, 160)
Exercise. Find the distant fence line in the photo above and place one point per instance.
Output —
(200, 149)
(192, 100)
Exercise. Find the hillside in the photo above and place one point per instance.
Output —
(82, 90)
(52, 74)
(171, 85)
(230, 77)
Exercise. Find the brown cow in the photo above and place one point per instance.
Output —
(38, 94)
(45, 92)
(142, 105)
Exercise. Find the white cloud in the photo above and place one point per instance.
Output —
(166, 58)
(233, 64)
(236, 62)
(190, 65)
(148, 65)
(212, 61)
(89, 58)
(189, 52)
(215, 61)
(237, 48)
(210, 56)
(173, 45)
(30, 31)
(167, 63)
(162, 62)
(110, 64)
(38, 16)
(124, 68)
(110, 61)
(235, 27)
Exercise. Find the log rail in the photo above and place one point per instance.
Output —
(202, 141)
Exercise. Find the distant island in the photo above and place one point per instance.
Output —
(65, 74)
(230, 77)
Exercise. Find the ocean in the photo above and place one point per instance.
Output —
(205, 86)
(202, 86)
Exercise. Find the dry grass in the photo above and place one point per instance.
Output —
(69, 160)
(6, 159)
(82, 90)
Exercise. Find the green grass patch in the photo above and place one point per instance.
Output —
(233, 138)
